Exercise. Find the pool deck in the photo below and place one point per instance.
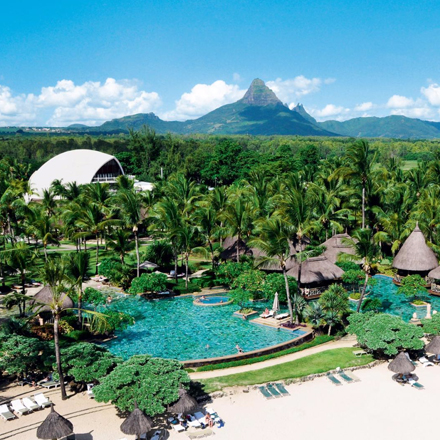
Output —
(270, 322)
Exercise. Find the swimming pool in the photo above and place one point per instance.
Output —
(176, 328)
(213, 300)
(394, 304)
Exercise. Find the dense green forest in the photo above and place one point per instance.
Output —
(210, 159)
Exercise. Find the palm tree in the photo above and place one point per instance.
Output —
(206, 219)
(366, 250)
(186, 235)
(120, 243)
(77, 264)
(274, 239)
(314, 313)
(334, 303)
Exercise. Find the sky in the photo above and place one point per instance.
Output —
(89, 61)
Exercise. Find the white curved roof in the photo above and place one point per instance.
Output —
(78, 166)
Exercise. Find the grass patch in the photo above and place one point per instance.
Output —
(313, 364)
(322, 339)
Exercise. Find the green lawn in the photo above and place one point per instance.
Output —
(313, 364)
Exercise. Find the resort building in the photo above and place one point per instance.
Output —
(337, 245)
(415, 256)
(79, 166)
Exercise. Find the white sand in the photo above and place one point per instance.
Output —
(376, 408)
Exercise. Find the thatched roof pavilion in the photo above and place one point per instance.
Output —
(45, 296)
(435, 273)
(54, 426)
(230, 249)
(137, 423)
(317, 270)
(415, 256)
(434, 346)
(336, 245)
(401, 364)
(185, 404)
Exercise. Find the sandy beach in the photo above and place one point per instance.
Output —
(376, 407)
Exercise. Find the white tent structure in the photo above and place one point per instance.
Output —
(80, 166)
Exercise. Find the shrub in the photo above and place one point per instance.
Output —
(148, 283)
(355, 295)
(159, 252)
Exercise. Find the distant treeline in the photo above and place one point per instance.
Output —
(212, 159)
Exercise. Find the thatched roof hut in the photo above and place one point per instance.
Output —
(45, 296)
(435, 273)
(316, 270)
(415, 255)
(185, 404)
(54, 426)
(137, 423)
(336, 245)
(434, 346)
(258, 254)
(401, 364)
(230, 249)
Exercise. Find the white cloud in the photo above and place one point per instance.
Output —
(204, 98)
(364, 107)
(399, 101)
(90, 103)
(416, 112)
(291, 89)
(331, 110)
(432, 93)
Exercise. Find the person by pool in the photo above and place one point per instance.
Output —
(239, 349)
(203, 297)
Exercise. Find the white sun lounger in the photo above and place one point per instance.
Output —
(194, 423)
(267, 315)
(178, 428)
(5, 413)
(19, 408)
(426, 362)
(42, 400)
(30, 404)
(282, 316)
(200, 417)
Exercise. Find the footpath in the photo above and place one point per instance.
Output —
(345, 342)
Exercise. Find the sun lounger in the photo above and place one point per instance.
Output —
(426, 362)
(282, 316)
(194, 423)
(272, 390)
(333, 379)
(49, 384)
(359, 353)
(178, 428)
(267, 315)
(19, 408)
(265, 393)
(30, 404)
(345, 377)
(42, 400)
(281, 389)
(415, 384)
(5, 413)
(90, 393)
(156, 435)
(352, 376)
(200, 417)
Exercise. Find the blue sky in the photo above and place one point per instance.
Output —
(89, 61)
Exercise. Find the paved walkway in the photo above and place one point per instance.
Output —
(347, 341)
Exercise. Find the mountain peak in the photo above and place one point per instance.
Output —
(259, 94)
(299, 108)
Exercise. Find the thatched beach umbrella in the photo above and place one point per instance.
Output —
(137, 423)
(435, 273)
(185, 404)
(54, 426)
(401, 364)
(415, 255)
(434, 346)
(45, 296)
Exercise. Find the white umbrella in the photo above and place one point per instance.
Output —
(276, 303)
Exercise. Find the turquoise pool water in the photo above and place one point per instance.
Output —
(394, 304)
(213, 299)
(176, 328)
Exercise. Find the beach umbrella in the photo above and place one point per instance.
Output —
(54, 426)
(401, 364)
(276, 303)
(137, 423)
(434, 346)
(185, 404)
(148, 265)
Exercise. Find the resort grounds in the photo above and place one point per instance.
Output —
(375, 407)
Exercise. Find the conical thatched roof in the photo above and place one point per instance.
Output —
(435, 273)
(335, 246)
(185, 404)
(45, 296)
(259, 254)
(401, 364)
(434, 346)
(148, 265)
(316, 270)
(137, 423)
(230, 249)
(54, 426)
(415, 255)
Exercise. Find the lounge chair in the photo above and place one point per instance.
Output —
(156, 435)
(5, 413)
(426, 362)
(281, 389)
(214, 416)
(19, 408)
(194, 423)
(415, 384)
(178, 427)
(345, 377)
(265, 393)
(90, 393)
(49, 384)
(359, 353)
(272, 390)
(30, 404)
(200, 417)
(352, 376)
(282, 316)
(42, 400)
(333, 379)
(267, 315)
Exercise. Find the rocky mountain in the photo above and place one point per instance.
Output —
(259, 112)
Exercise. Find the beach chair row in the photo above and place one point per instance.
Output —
(196, 420)
(273, 390)
(342, 377)
(23, 406)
